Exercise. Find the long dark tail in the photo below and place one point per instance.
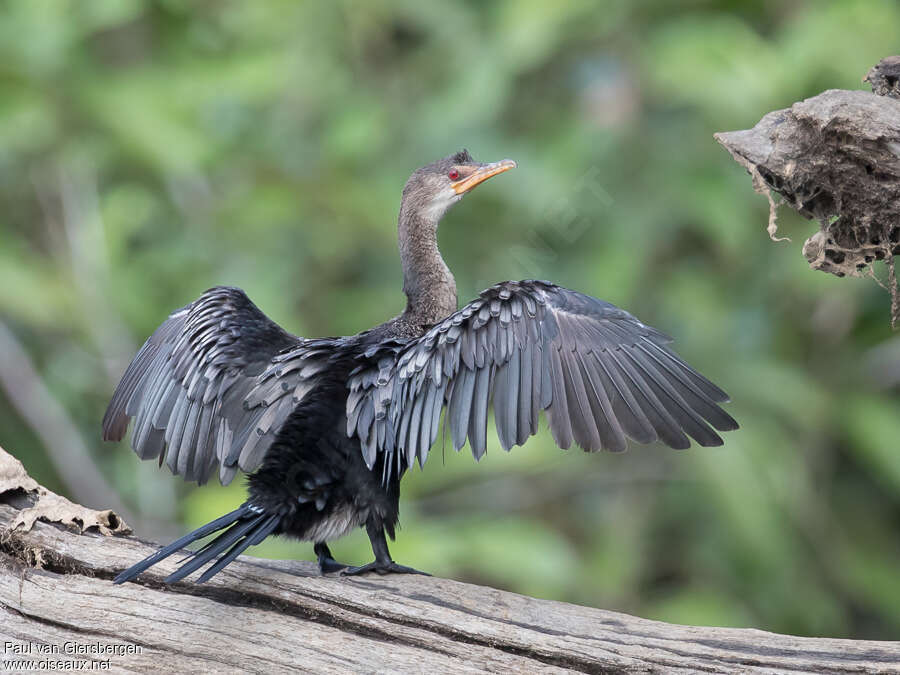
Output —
(246, 526)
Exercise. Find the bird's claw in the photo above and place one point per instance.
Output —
(327, 564)
(382, 568)
(331, 565)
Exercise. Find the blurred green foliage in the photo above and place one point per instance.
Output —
(149, 150)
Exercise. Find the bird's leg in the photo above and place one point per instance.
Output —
(383, 564)
(326, 562)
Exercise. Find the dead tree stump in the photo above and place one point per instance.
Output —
(835, 158)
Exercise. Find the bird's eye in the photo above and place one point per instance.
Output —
(453, 175)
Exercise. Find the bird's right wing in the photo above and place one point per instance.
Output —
(600, 374)
(213, 385)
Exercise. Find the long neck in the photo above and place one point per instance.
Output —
(429, 286)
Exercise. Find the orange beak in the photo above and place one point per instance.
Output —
(481, 174)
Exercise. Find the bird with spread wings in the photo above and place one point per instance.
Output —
(327, 427)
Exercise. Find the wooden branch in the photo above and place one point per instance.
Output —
(268, 616)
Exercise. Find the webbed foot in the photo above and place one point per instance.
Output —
(382, 568)
(327, 564)
(382, 563)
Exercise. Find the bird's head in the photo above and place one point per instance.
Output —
(434, 188)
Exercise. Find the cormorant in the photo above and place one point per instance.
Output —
(327, 427)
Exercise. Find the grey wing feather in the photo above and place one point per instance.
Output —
(212, 386)
(600, 375)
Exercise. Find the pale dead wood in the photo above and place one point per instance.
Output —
(266, 616)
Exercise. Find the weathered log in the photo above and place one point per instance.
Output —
(268, 616)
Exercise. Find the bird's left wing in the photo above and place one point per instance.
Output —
(213, 385)
(598, 373)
